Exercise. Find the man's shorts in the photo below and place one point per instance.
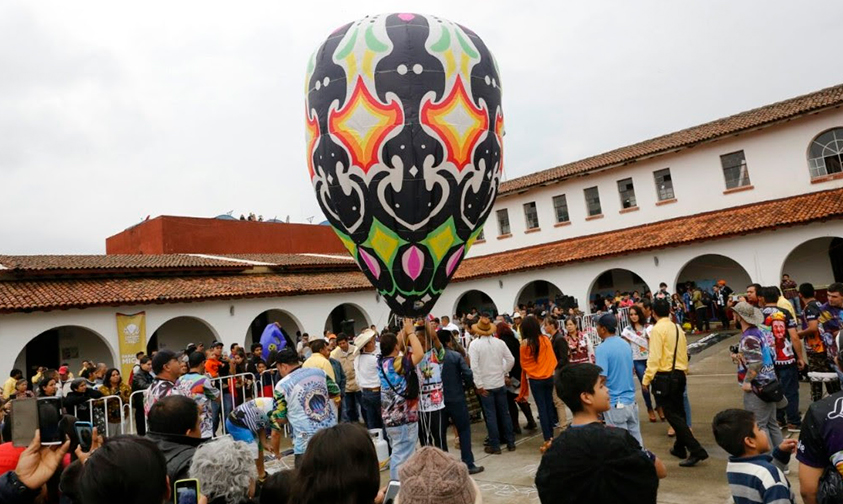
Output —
(245, 435)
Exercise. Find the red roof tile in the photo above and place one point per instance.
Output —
(113, 262)
(763, 116)
(31, 295)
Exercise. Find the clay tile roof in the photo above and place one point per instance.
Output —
(736, 221)
(737, 123)
(280, 260)
(113, 262)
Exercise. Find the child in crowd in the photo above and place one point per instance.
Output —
(754, 475)
(590, 462)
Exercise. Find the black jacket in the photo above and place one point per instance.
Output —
(76, 403)
(178, 452)
(12, 490)
(140, 381)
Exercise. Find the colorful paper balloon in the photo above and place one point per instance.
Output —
(272, 338)
(405, 148)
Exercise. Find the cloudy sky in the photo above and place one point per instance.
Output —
(112, 111)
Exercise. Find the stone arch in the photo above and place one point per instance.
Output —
(538, 292)
(69, 344)
(346, 317)
(705, 270)
(177, 332)
(289, 324)
(818, 261)
(474, 298)
(617, 279)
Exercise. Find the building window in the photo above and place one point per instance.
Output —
(503, 222)
(627, 192)
(592, 201)
(734, 170)
(481, 236)
(531, 215)
(560, 205)
(664, 184)
(825, 157)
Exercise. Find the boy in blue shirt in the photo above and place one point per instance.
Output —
(614, 356)
(753, 474)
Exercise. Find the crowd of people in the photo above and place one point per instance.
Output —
(219, 417)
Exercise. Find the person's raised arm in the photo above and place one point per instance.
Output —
(418, 349)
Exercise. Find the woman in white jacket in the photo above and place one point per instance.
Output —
(638, 335)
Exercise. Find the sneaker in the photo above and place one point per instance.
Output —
(492, 451)
(476, 469)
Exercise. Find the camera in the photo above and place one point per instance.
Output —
(734, 349)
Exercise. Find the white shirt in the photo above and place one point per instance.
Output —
(451, 327)
(491, 360)
(366, 371)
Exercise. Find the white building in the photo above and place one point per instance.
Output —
(744, 199)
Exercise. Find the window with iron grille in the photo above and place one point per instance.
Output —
(592, 201)
(664, 184)
(560, 206)
(503, 222)
(627, 193)
(825, 156)
(734, 170)
(531, 216)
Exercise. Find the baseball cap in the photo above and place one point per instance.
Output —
(516, 315)
(63, 370)
(608, 321)
(216, 344)
(195, 359)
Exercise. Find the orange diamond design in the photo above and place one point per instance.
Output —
(458, 123)
(363, 125)
(499, 134)
(312, 136)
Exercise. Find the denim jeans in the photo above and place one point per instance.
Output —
(494, 408)
(370, 402)
(625, 418)
(789, 378)
(640, 368)
(215, 414)
(403, 440)
(351, 407)
(458, 412)
(543, 394)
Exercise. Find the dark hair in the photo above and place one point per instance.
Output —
(836, 288)
(573, 380)
(769, 294)
(531, 332)
(661, 307)
(125, 469)
(325, 475)
(731, 427)
(276, 489)
(44, 382)
(107, 378)
(755, 286)
(271, 358)
(663, 285)
(316, 346)
(444, 336)
(173, 414)
(233, 346)
(342, 337)
(161, 359)
(807, 290)
(255, 346)
(388, 343)
(145, 359)
(15, 373)
(287, 356)
(139, 354)
(638, 311)
(646, 303)
(196, 359)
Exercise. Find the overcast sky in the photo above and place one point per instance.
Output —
(111, 112)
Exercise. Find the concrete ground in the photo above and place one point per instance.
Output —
(712, 388)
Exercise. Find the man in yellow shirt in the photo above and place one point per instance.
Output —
(9, 385)
(669, 357)
(319, 358)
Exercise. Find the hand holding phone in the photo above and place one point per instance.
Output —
(391, 492)
(85, 434)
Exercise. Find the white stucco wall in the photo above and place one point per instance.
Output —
(776, 160)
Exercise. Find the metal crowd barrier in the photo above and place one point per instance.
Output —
(101, 405)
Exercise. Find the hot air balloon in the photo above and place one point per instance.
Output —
(405, 148)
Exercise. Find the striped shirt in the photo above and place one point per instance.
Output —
(759, 479)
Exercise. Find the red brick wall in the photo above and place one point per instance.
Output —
(189, 235)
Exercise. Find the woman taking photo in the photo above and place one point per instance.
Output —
(638, 335)
(112, 388)
(538, 362)
(580, 348)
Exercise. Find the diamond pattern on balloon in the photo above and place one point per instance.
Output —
(442, 239)
(363, 124)
(384, 242)
(458, 123)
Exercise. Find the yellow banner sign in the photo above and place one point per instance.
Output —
(131, 333)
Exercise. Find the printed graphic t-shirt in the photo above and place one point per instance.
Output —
(429, 369)
(777, 322)
(821, 438)
(813, 343)
(755, 349)
(396, 410)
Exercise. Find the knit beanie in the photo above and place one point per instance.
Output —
(431, 476)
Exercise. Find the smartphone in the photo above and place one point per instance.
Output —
(391, 492)
(49, 414)
(24, 421)
(85, 435)
(186, 491)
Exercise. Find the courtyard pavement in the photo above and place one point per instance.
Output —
(712, 387)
